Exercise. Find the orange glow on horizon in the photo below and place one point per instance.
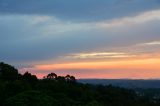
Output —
(152, 64)
(133, 69)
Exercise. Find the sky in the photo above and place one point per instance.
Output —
(112, 39)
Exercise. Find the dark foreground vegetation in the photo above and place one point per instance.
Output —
(26, 90)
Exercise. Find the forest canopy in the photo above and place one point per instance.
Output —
(27, 90)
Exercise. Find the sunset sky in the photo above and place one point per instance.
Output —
(113, 39)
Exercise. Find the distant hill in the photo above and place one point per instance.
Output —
(126, 83)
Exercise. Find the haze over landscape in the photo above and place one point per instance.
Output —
(113, 39)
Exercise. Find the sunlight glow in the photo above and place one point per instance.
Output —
(131, 64)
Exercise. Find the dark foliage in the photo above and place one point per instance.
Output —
(54, 90)
(8, 72)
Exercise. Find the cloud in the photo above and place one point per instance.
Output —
(26, 38)
(107, 36)
(98, 55)
(50, 31)
(139, 19)
(79, 10)
(151, 43)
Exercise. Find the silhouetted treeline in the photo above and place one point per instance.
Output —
(53, 90)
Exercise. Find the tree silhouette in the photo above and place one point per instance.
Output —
(8, 72)
(52, 76)
(29, 77)
(69, 78)
(61, 79)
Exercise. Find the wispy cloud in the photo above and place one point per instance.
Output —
(153, 15)
(151, 43)
(56, 26)
(99, 55)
